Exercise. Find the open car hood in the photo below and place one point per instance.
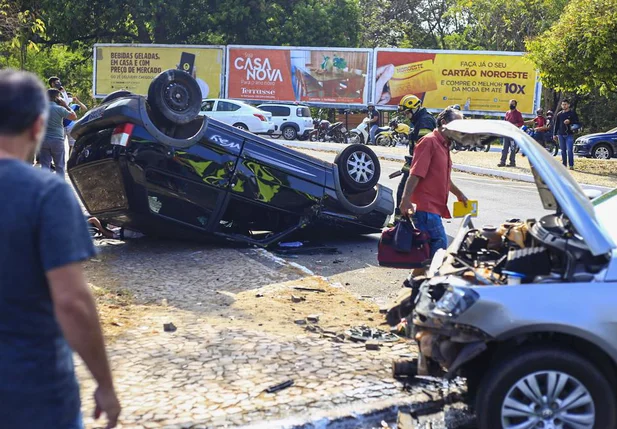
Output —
(555, 185)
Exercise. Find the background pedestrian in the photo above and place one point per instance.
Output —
(53, 143)
(514, 117)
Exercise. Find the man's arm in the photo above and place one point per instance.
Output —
(457, 192)
(406, 206)
(69, 114)
(76, 313)
(81, 105)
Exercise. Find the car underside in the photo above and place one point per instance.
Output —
(160, 169)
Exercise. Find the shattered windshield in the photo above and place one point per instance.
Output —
(605, 207)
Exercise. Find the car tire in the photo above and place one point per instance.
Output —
(289, 133)
(358, 168)
(602, 151)
(509, 378)
(241, 126)
(175, 96)
(356, 138)
(116, 94)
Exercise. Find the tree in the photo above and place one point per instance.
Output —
(579, 53)
(501, 25)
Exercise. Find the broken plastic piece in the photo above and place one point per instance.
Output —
(169, 327)
(280, 386)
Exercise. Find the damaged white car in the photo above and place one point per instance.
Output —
(526, 312)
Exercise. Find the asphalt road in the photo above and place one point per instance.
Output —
(354, 265)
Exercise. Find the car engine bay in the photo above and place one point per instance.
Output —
(518, 252)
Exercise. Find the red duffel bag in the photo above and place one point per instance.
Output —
(403, 246)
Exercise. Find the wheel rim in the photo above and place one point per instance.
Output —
(602, 153)
(176, 97)
(354, 138)
(289, 133)
(548, 400)
(360, 167)
(241, 127)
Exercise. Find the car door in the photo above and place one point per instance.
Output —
(229, 111)
(208, 108)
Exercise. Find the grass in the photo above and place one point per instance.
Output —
(586, 171)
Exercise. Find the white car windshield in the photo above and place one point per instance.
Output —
(605, 207)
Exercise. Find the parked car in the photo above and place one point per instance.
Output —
(238, 114)
(525, 311)
(157, 166)
(598, 145)
(292, 121)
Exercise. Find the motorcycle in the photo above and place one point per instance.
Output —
(361, 134)
(457, 147)
(543, 138)
(325, 131)
(398, 133)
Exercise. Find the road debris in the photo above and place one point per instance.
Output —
(313, 318)
(365, 333)
(297, 299)
(280, 386)
(372, 345)
(169, 327)
(300, 322)
(309, 289)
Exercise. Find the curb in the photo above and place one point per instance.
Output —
(458, 167)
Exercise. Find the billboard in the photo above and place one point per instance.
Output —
(325, 76)
(132, 67)
(480, 82)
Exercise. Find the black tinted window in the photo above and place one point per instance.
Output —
(276, 110)
(225, 106)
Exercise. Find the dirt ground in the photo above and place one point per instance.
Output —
(280, 308)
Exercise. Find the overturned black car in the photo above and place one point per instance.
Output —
(153, 165)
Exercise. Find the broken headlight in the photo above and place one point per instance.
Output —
(454, 302)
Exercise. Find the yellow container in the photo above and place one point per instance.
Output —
(460, 210)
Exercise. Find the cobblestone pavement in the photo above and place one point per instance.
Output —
(228, 347)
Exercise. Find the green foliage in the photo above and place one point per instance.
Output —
(579, 53)
(501, 25)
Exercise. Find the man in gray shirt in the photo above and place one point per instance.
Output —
(53, 144)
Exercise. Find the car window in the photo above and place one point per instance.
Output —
(226, 106)
(207, 106)
(276, 110)
(605, 207)
(303, 112)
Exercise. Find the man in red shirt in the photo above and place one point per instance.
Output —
(430, 183)
(514, 117)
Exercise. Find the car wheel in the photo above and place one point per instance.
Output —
(355, 138)
(175, 96)
(241, 126)
(545, 387)
(358, 167)
(289, 133)
(117, 94)
(602, 151)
